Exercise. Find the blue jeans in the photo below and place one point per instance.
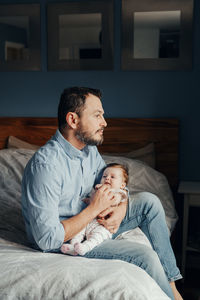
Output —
(145, 211)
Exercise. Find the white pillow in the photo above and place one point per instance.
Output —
(143, 178)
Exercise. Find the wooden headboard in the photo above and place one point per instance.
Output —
(121, 135)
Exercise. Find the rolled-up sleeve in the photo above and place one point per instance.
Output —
(41, 198)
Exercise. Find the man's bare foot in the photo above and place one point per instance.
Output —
(177, 295)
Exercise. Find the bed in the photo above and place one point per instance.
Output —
(149, 148)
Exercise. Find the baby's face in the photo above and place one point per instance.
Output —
(114, 178)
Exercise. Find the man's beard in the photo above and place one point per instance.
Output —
(87, 138)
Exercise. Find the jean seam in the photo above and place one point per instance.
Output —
(151, 241)
(129, 219)
(155, 249)
(109, 255)
(141, 218)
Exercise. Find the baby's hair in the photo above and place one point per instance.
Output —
(122, 167)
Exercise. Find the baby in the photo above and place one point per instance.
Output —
(116, 177)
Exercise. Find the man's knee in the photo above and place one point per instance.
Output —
(150, 258)
(147, 201)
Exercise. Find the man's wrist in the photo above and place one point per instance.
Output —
(93, 211)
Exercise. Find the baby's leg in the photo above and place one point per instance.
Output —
(78, 238)
(68, 248)
(96, 236)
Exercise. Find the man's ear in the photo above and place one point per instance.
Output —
(72, 119)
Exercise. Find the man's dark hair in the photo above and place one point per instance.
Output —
(73, 100)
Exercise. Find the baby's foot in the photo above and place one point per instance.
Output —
(68, 249)
(80, 248)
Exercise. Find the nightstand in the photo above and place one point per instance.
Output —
(191, 191)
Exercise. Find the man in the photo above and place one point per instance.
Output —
(62, 173)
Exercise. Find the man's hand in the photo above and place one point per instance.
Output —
(102, 199)
(112, 217)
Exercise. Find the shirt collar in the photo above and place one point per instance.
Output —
(68, 148)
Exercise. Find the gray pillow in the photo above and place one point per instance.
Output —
(12, 163)
(15, 143)
(145, 154)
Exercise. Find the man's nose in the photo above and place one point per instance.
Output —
(103, 122)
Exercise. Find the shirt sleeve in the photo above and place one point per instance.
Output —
(42, 189)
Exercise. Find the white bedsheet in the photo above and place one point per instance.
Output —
(29, 274)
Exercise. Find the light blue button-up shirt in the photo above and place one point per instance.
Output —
(56, 180)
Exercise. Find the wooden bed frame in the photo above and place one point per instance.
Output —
(121, 135)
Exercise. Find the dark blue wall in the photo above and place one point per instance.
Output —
(126, 93)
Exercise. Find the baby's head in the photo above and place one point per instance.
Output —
(115, 175)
